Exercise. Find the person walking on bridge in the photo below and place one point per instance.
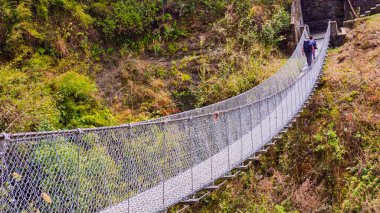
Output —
(308, 50)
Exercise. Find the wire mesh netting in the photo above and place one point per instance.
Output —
(149, 166)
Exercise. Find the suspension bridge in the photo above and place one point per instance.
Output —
(152, 165)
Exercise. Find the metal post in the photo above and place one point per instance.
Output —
(78, 139)
(308, 89)
(251, 125)
(293, 99)
(270, 123)
(210, 144)
(305, 87)
(130, 133)
(287, 104)
(3, 151)
(261, 125)
(241, 135)
(162, 125)
(296, 94)
(228, 141)
(275, 102)
(282, 109)
(190, 126)
(299, 94)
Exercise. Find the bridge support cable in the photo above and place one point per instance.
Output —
(150, 166)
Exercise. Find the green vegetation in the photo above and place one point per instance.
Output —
(329, 161)
(77, 103)
(69, 64)
(59, 162)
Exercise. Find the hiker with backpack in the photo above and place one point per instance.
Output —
(308, 50)
(313, 43)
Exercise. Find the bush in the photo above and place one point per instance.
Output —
(77, 102)
(127, 20)
(270, 33)
(27, 105)
(74, 85)
(65, 176)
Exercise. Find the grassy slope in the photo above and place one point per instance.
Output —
(330, 160)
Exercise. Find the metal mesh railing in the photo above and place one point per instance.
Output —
(149, 166)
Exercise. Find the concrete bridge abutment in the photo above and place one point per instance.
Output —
(317, 13)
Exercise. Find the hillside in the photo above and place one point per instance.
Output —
(69, 64)
(329, 161)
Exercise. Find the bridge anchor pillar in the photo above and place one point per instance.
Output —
(337, 37)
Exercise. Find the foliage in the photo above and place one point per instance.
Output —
(270, 33)
(78, 54)
(26, 104)
(60, 164)
(78, 106)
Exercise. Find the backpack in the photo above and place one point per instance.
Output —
(313, 43)
(306, 46)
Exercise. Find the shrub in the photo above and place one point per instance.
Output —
(128, 19)
(270, 33)
(75, 85)
(78, 105)
(65, 177)
(27, 105)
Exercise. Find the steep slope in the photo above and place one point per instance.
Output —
(69, 64)
(330, 160)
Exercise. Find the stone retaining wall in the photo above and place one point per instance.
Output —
(364, 5)
(317, 13)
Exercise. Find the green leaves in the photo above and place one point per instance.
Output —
(67, 175)
(75, 85)
(77, 102)
(271, 30)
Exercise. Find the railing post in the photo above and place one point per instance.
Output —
(299, 93)
(275, 103)
(241, 135)
(295, 111)
(261, 125)
(227, 137)
(251, 126)
(190, 126)
(77, 139)
(269, 115)
(163, 172)
(287, 104)
(305, 78)
(310, 80)
(293, 99)
(3, 150)
(296, 97)
(210, 147)
(129, 182)
(282, 109)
